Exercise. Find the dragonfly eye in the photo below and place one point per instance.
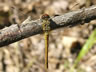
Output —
(45, 16)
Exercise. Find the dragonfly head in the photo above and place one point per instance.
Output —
(45, 16)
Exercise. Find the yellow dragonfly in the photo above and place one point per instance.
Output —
(46, 28)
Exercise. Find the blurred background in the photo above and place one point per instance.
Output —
(27, 55)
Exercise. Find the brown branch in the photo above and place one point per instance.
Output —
(30, 27)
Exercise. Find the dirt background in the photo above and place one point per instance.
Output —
(28, 55)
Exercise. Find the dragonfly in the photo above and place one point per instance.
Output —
(46, 29)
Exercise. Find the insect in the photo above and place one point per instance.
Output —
(46, 28)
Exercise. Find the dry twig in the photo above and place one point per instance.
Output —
(30, 27)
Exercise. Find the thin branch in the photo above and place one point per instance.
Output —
(30, 27)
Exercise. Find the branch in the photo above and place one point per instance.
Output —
(30, 27)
